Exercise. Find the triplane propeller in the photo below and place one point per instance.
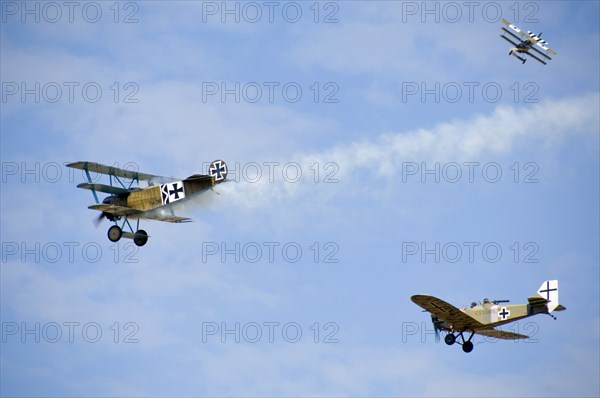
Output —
(482, 319)
(128, 201)
(531, 42)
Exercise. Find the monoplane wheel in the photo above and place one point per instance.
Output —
(467, 346)
(114, 233)
(141, 237)
(450, 339)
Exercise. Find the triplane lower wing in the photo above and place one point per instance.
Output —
(525, 43)
(127, 201)
(484, 318)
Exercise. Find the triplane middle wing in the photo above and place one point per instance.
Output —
(155, 202)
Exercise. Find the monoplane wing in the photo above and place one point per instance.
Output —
(446, 312)
(115, 171)
(501, 334)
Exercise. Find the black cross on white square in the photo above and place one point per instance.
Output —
(172, 192)
(547, 290)
(218, 170)
(504, 313)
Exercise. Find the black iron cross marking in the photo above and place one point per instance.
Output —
(504, 314)
(548, 290)
(176, 191)
(217, 171)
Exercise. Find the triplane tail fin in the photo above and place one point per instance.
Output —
(549, 291)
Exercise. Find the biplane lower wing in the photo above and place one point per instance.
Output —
(447, 312)
(121, 211)
(115, 210)
(103, 188)
(165, 218)
(501, 334)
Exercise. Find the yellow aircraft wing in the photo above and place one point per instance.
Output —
(501, 334)
(446, 312)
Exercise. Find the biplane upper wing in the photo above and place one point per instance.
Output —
(446, 312)
(115, 171)
(501, 334)
(121, 211)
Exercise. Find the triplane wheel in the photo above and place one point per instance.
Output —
(467, 346)
(141, 237)
(450, 339)
(114, 233)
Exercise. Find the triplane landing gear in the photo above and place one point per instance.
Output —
(467, 345)
(115, 233)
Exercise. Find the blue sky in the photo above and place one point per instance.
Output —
(376, 127)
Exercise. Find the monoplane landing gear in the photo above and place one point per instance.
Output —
(467, 346)
(450, 339)
(141, 237)
(114, 233)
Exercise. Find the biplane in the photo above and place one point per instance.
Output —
(483, 318)
(525, 46)
(127, 201)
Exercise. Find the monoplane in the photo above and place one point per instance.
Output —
(483, 318)
(127, 201)
(525, 46)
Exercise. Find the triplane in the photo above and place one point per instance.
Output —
(128, 201)
(524, 46)
(482, 319)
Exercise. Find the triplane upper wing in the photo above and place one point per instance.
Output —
(155, 202)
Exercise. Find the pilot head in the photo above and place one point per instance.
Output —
(473, 304)
(486, 301)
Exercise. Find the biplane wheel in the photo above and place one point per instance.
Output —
(450, 339)
(467, 346)
(114, 233)
(140, 240)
